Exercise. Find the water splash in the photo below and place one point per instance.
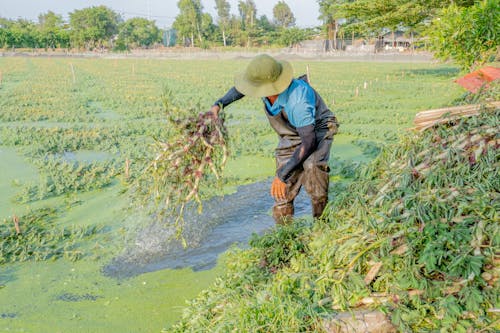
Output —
(223, 222)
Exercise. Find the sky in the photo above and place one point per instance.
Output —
(162, 11)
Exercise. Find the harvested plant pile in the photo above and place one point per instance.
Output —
(193, 155)
(416, 236)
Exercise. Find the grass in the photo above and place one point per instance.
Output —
(113, 108)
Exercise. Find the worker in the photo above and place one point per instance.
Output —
(305, 127)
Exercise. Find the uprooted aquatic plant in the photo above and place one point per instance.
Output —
(191, 159)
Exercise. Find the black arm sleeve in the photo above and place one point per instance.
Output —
(231, 96)
(301, 153)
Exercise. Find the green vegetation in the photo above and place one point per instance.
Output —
(470, 36)
(68, 126)
(466, 31)
(38, 239)
(416, 235)
(190, 161)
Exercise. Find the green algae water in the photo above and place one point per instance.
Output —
(66, 296)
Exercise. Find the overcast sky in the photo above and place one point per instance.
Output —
(162, 11)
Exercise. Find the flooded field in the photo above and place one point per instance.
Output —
(64, 145)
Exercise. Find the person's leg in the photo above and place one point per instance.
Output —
(316, 181)
(316, 178)
(283, 209)
(283, 212)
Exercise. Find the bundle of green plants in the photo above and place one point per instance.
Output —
(35, 237)
(191, 157)
(416, 236)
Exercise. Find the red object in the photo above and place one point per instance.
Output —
(477, 79)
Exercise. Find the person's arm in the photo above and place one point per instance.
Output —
(231, 96)
(302, 152)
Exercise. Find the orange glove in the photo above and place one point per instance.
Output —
(278, 189)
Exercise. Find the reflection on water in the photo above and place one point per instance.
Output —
(224, 221)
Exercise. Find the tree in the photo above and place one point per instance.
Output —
(208, 28)
(265, 32)
(292, 36)
(369, 16)
(188, 22)
(93, 27)
(248, 14)
(283, 16)
(469, 35)
(223, 7)
(138, 32)
(331, 14)
(266, 26)
(52, 31)
(236, 35)
(23, 33)
(5, 33)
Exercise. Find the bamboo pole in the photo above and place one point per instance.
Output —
(73, 72)
(429, 118)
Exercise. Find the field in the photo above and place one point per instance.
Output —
(69, 128)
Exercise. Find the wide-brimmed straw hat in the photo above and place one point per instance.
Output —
(264, 76)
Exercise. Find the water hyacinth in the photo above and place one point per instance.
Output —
(34, 237)
(193, 158)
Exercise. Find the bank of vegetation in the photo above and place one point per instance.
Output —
(415, 236)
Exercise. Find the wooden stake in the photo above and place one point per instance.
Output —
(127, 168)
(15, 219)
(308, 75)
(1, 77)
(356, 92)
(73, 72)
(365, 85)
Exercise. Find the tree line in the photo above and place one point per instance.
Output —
(100, 27)
(466, 30)
(89, 28)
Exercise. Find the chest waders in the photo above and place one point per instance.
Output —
(313, 174)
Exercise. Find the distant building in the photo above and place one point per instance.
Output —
(393, 41)
(388, 42)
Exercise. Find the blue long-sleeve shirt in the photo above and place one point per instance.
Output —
(298, 102)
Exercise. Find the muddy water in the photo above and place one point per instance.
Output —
(224, 221)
